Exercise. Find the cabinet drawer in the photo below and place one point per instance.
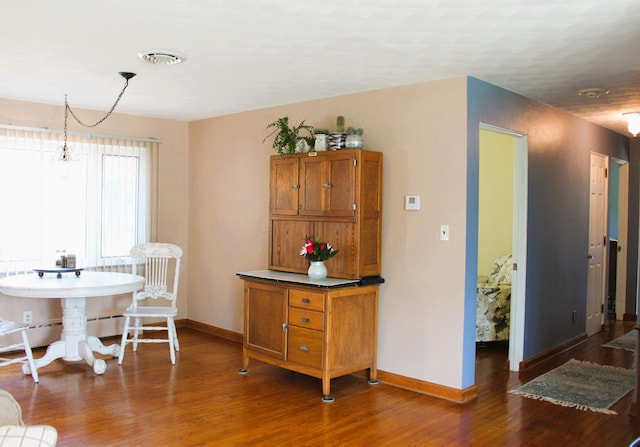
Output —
(310, 319)
(306, 300)
(305, 347)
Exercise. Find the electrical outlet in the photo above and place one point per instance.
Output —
(27, 317)
(573, 316)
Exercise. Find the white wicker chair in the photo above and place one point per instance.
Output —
(6, 329)
(155, 258)
(13, 431)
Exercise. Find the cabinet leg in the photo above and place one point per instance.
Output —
(245, 363)
(326, 389)
(373, 376)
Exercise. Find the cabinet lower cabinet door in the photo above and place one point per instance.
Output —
(265, 313)
(305, 347)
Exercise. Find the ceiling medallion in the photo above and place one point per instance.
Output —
(162, 57)
(593, 93)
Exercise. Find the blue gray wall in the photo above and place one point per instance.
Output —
(560, 145)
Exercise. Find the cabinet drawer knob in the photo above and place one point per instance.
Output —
(304, 320)
(295, 186)
(327, 185)
(304, 348)
(305, 300)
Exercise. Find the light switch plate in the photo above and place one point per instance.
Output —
(444, 232)
(412, 203)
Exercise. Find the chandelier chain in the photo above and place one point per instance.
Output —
(65, 155)
(67, 107)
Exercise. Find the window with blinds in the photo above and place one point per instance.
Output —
(96, 206)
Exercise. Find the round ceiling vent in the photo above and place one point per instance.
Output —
(162, 57)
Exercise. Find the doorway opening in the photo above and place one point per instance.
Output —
(618, 210)
(502, 229)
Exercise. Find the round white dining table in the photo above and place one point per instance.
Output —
(73, 291)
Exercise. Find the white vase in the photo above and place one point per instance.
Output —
(302, 146)
(317, 271)
(322, 142)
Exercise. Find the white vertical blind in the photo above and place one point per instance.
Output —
(96, 206)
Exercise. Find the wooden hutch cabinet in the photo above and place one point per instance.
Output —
(322, 331)
(334, 195)
(325, 328)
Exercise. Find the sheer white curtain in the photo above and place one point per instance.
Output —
(96, 206)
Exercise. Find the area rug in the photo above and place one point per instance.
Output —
(626, 341)
(581, 385)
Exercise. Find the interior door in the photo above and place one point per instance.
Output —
(597, 243)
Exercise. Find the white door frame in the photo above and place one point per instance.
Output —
(623, 231)
(519, 275)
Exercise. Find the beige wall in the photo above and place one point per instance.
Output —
(421, 131)
(213, 201)
(172, 206)
(495, 204)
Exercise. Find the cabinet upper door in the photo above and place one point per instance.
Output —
(340, 195)
(313, 185)
(284, 186)
(327, 185)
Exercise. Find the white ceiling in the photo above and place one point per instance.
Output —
(250, 54)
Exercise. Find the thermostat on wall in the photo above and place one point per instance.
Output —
(411, 202)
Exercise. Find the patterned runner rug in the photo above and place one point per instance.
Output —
(626, 341)
(581, 385)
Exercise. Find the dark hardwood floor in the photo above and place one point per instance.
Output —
(203, 401)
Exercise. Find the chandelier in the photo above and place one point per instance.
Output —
(64, 154)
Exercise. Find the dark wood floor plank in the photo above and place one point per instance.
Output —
(203, 401)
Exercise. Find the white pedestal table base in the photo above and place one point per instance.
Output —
(75, 344)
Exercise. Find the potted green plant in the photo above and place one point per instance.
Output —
(322, 139)
(337, 138)
(354, 138)
(287, 138)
